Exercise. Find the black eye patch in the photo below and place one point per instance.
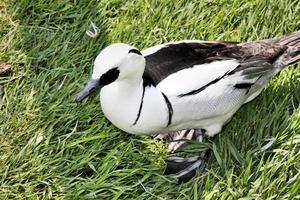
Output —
(135, 51)
(109, 77)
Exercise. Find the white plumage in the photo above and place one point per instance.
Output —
(185, 84)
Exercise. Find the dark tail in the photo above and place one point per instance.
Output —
(292, 53)
(292, 39)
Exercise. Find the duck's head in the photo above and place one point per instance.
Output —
(114, 63)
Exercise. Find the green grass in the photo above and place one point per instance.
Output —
(51, 147)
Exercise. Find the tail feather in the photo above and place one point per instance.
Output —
(292, 39)
(295, 59)
(292, 54)
(295, 43)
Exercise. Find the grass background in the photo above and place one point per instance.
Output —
(51, 147)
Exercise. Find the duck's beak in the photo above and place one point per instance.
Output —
(90, 87)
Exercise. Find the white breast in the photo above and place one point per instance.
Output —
(120, 103)
(120, 106)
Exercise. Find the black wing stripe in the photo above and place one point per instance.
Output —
(243, 85)
(194, 92)
(246, 86)
(170, 109)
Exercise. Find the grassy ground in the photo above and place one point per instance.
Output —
(52, 148)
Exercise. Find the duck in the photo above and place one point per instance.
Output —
(185, 90)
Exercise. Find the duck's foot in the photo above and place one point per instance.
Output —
(184, 168)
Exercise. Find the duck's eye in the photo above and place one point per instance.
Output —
(135, 51)
(110, 76)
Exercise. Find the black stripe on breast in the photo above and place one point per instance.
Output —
(193, 92)
(147, 82)
(140, 108)
(170, 109)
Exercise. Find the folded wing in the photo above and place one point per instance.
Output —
(189, 67)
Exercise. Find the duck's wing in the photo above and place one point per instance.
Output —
(167, 59)
(194, 65)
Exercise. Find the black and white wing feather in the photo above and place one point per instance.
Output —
(195, 65)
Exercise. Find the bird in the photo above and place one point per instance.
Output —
(185, 90)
